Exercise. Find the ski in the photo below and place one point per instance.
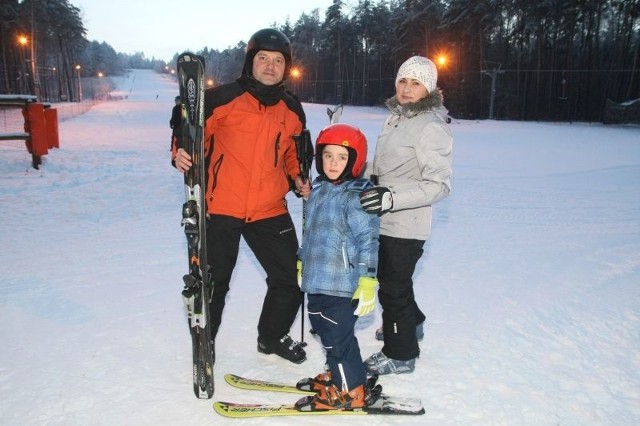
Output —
(304, 153)
(385, 404)
(261, 385)
(335, 113)
(235, 410)
(197, 287)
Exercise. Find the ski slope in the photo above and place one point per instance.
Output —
(530, 282)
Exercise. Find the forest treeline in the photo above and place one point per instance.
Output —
(44, 52)
(506, 59)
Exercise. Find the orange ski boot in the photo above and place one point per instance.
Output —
(332, 398)
(315, 384)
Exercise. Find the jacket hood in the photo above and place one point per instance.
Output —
(432, 102)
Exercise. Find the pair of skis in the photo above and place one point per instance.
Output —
(385, 404)
(197, 284)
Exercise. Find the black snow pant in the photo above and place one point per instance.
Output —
(397, 259)
(274, 243)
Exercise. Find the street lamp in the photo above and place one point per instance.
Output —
(22, 41)
(79, 84)
(442, 60)
(296, 74)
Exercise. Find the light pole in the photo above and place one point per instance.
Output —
(24, 84)
(494, 75)
(34, 67)
(79, 84)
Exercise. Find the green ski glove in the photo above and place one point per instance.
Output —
(366, 295)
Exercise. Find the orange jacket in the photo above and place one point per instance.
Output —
(252, 156)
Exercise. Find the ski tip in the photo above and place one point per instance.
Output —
(190, 57)
(236, 410)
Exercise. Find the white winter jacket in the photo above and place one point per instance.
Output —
(413, 159)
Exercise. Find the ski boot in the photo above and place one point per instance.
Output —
(284, 347)
(419, 333)
(380, 364)
(315, 384)
(332, 398)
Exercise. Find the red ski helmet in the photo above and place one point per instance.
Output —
(268, 39)
(349, 137)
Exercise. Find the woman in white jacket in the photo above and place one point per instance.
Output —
(411, 170)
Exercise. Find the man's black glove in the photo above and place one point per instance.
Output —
(376, 200)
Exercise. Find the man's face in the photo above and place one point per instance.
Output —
(268, 67)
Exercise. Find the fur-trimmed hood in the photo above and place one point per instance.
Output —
(432, 102)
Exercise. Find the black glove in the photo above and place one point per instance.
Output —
(376, 200)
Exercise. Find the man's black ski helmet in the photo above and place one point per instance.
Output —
(268, 39)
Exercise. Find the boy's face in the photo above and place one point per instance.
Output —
(334, 160)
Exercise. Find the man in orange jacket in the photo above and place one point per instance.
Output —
(252, 163)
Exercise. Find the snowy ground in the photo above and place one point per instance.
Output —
(531, 281)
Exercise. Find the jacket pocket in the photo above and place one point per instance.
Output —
(215, 170)
(345, 257)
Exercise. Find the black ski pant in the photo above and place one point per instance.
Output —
(274, 243)
(397, 259)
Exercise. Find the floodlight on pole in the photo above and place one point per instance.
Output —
(78, 67)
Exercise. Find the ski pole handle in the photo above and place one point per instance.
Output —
(304, 151)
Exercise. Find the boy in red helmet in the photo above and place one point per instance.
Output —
(339, 256)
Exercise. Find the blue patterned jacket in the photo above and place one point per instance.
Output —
(340, 240)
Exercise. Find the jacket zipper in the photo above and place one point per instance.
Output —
(345, 257)
(214, 175)
(275, 160)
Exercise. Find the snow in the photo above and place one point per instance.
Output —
(530, 281)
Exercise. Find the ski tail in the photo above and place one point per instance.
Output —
(335, 114)
(197, 286)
